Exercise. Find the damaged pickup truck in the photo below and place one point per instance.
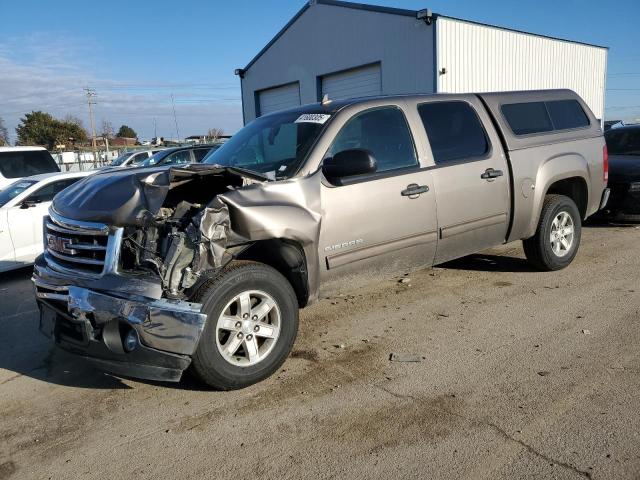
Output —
(150, 271)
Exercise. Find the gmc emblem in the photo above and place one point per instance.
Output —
(60, 244)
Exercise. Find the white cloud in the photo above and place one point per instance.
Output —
(49, 74)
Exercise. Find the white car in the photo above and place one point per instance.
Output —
(23, 205)
(19, 162)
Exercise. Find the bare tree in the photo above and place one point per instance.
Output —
(107, 130)
(73, 120)
(214, 134)
(4, 133)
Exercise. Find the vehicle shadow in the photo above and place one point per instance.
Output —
(24, 351)
(482, 262)
(599, 222)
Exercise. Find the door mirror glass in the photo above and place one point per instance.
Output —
(28, 204)
(348, 163)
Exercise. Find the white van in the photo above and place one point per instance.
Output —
(19, 162)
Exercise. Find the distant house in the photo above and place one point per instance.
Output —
(122, 142)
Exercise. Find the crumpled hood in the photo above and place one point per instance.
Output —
(133, 197)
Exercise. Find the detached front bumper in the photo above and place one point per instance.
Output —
(95, 324)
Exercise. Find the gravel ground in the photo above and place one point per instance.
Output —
(521, 375)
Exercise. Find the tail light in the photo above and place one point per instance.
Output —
(605, 164)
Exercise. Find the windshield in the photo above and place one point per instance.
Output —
(15, 189)
(118, 161)
(24, 163)
(623, 142)
(275, 145)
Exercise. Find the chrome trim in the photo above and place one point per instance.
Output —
(49, 295)
(74, 227)
(77, 225)
(52, 296)
(57, 228)
(87, 247)
(82, 260)
(605, 198)
(68, 271)
(169, 325)
(39, 283)
(112, 256)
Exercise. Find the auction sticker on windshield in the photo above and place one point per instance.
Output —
(313, 118)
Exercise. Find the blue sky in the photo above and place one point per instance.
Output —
(136, 54)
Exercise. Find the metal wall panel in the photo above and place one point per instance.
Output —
(481, 58)
(357, 82)
(326, 39)
(279, 98)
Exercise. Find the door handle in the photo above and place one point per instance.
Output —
(414, 189)
(490, 174)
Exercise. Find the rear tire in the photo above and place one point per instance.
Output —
(557, 238)
(252, 323)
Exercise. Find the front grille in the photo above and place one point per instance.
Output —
(82, 247)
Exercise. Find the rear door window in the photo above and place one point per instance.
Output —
(20, 163)
(541, 117)
(567, 114)
(454, 130)
(527, 118)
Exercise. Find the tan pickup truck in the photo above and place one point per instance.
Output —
(150, 271)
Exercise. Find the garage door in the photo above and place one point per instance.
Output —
(357, 82)
(278, 98)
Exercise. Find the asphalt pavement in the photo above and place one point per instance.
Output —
(498, 371)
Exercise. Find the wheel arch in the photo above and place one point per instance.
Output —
(285, 256)
(565, 174)
(575, 188)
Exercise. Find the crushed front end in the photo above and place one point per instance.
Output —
(121, 255)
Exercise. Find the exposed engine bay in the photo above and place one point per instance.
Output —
(175, 226)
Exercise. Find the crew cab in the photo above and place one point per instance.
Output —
(205, 266)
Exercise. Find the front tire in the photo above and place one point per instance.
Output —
(252, 323)
(557, 238)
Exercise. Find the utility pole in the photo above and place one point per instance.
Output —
(155, 131)
(91, 93)
(175, 119)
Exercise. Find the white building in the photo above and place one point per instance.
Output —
(349, 50)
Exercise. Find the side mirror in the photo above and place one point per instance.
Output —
(349, 163)
(28, 204)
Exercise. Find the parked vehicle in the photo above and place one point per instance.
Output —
(23, 205)
(132, 159)
(179, 155)
(206, 265)
(20, 162)
(624, 173)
